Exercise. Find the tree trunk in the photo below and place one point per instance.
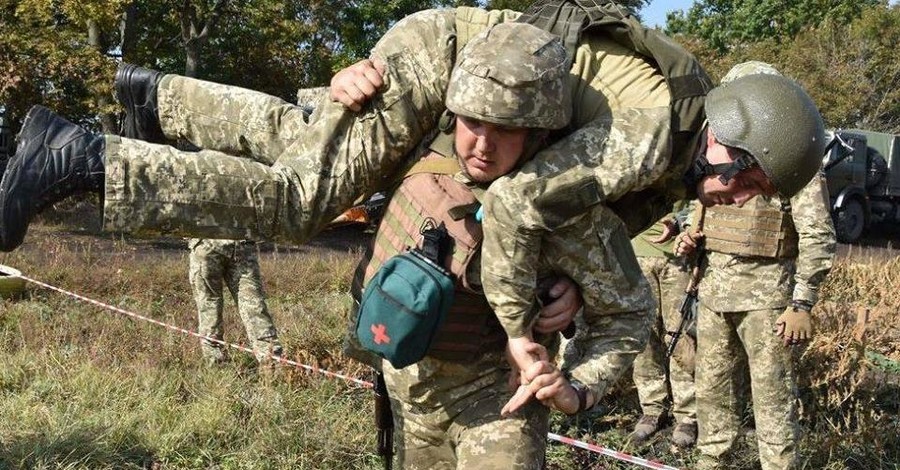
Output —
(95, 39)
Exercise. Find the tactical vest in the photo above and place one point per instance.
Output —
(429, 195)
(757, 229)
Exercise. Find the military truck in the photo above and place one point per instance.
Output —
(862, 169)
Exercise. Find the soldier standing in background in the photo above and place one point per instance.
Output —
(656, 377)
(236, 264)
(765, 264)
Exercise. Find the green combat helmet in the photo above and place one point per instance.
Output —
(515, 75)
(773, 119)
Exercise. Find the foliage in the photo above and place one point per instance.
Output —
(851, 70)
(725, 24)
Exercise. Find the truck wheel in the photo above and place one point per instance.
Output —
(850, 221)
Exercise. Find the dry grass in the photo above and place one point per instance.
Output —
(81, 387)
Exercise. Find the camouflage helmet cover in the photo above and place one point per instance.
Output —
(774, 120)
(512, 74)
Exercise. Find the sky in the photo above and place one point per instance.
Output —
(654, 14)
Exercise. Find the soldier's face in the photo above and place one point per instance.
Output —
(741, 188)
(488, 151)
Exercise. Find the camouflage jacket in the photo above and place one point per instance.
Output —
(735, 283)
(621, 142)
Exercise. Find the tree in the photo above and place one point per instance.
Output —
(726, 24)
(55, 53)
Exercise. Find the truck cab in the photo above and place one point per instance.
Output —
(863, 176)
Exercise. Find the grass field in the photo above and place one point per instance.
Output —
(82, 387)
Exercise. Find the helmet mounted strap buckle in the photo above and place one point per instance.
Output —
(727, 171)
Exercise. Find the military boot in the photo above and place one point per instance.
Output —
(136, 91)
(647, 426)
(685, 435)
(54, 159)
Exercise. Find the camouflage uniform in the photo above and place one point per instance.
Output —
(447, 411)
(740, 299)
(267, 171)
(668, 278)
(235, 263)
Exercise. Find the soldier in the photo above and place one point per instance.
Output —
(657, 378)
(637, 129)
(236, 263)
(447, 405)
(765, 263)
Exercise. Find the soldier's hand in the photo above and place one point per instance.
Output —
(558, 314)
(522, 354)
(670, 230)
(358, 83)
(688, 243)
(548, 384)
(794, 326)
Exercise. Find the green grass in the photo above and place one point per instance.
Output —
(85, 388)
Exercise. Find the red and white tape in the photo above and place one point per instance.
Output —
(609, 452)
(359, 382)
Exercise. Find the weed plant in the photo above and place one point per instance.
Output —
(82, 387)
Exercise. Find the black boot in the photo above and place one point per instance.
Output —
(54, 160)
(136, 90)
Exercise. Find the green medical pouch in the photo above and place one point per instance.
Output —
(404, 304)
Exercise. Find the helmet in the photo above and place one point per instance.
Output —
(773, 119)
(512, 74)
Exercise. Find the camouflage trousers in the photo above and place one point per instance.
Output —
(728, 344)
(447, 416)
(235, 263)
(668, 281)
(266, 170)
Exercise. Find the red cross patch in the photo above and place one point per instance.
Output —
(380, 332)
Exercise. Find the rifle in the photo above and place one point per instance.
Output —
(689, 301)
(384, 423)
(687, 304)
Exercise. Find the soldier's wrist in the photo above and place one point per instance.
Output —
(585, 397)
(802, 305)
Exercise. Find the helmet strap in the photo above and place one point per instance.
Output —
(701, 167)
(727, 171)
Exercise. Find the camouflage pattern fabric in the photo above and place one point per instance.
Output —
(235, 263)
(267, 173)
(668, 278)
(310, 97)
(621, 145)
(773, 283)
(740, 298)
(724, 341)
(447, 416)
(618, 304)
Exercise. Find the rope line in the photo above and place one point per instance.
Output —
(317, 370)
(621, 456)
(609, 452)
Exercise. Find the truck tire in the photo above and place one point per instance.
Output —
(10, 286)
(849, 221)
